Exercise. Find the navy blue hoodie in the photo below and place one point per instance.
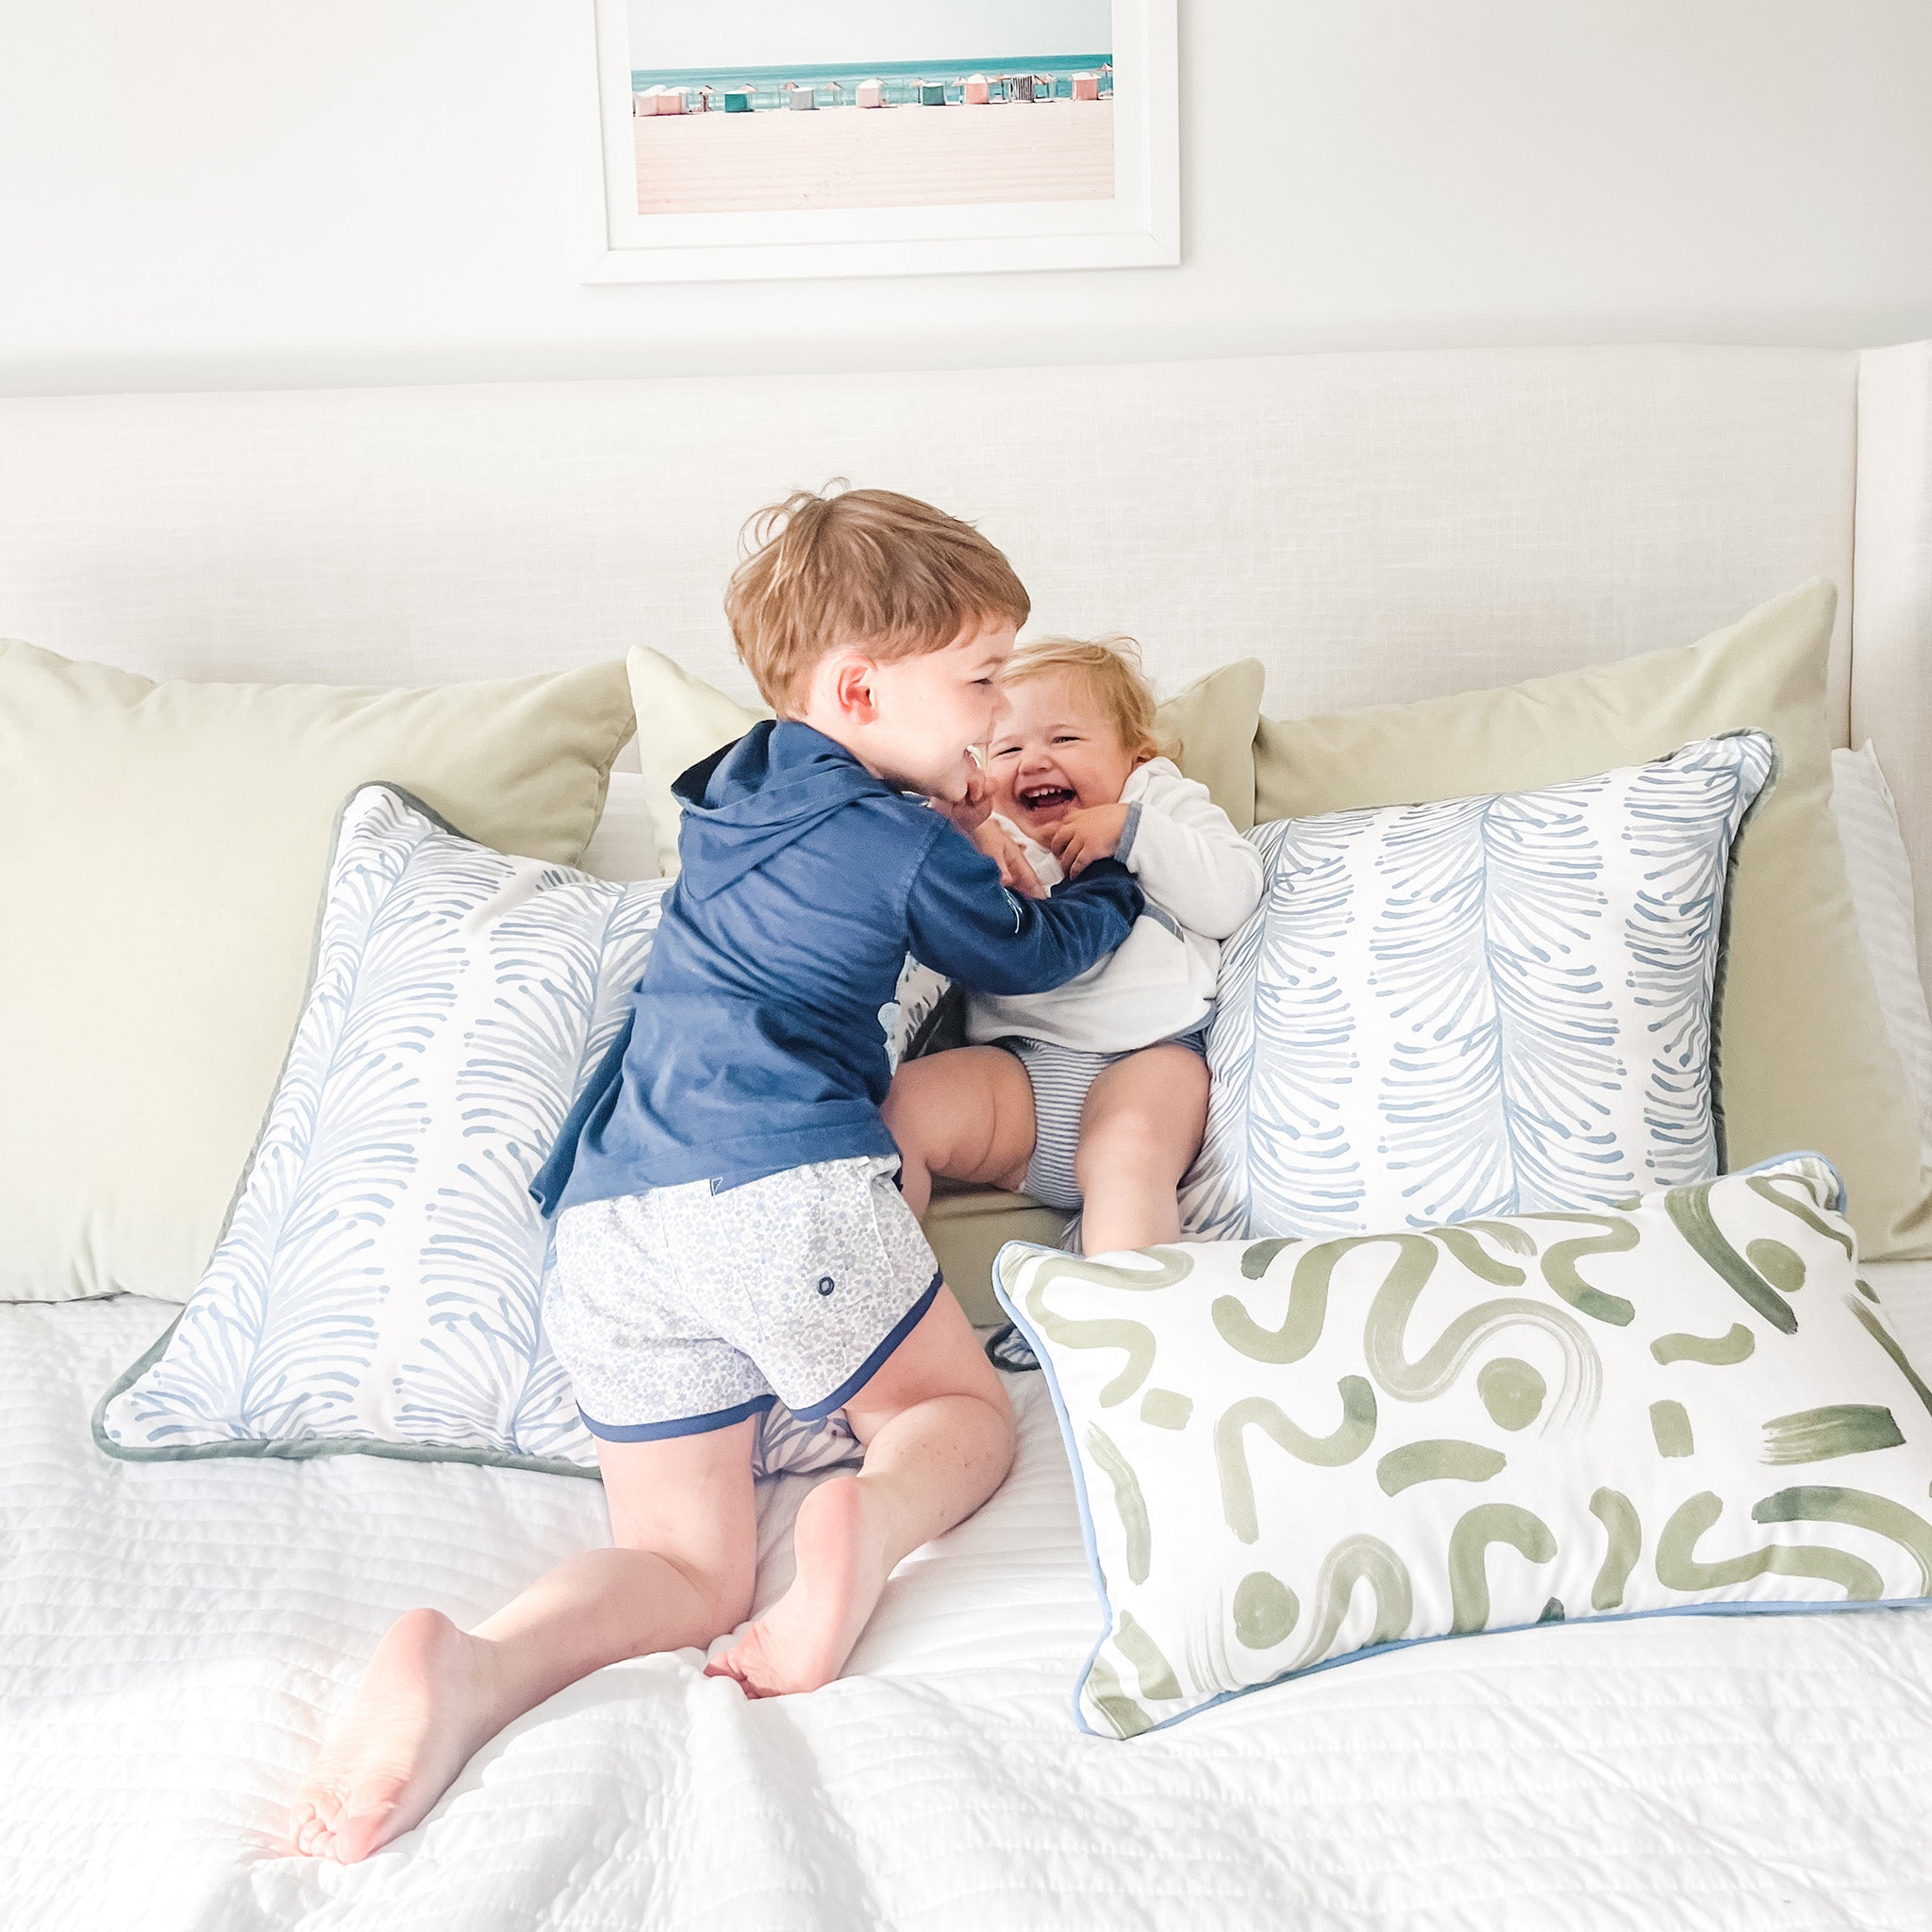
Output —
(753, 1041)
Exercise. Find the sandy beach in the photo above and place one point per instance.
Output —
(874, 156)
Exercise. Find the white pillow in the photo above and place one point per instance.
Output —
(1477, 1006)
(1881, 880)
(1291, 1452)
(378, 1284)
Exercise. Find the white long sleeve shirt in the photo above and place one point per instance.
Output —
(1201, 880)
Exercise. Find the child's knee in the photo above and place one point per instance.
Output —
(1000, 1406)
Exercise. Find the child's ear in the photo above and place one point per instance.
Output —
(852, 693)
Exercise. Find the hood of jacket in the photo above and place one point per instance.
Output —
(753, 798)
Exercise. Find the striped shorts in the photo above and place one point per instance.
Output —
(1061, 1078)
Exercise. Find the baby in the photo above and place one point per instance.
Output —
(1093, 1095)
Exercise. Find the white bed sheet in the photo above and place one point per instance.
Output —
(174, 1639)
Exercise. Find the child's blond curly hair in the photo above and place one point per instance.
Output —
(1109, 669)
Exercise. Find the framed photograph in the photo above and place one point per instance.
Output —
(766, 137)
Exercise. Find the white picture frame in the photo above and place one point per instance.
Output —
(1139, 228)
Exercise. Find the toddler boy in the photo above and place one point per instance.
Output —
(728, 1232)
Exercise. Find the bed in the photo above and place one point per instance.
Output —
(174, 1640)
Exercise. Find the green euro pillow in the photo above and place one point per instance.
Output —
(1290, 1453)
(163, 848)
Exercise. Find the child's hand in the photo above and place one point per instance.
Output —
(972, 810)
(1016, 869)
(1082, 836)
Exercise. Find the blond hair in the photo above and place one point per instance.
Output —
(1108, 671)
(865, 567)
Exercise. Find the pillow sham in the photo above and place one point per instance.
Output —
(1477, 1006)
(1807, 1059)
(1292, 1453)
(1880, 874)
(682, 720)
(162, 848)
(379, 1285)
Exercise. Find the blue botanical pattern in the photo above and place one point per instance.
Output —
(1286, 1004)
(1682, 818)
(1486, 1006)
(381, 1277)
(1501, 1087)
(562, 978)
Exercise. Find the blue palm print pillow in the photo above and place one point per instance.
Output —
(379, 1283)
(1479, 1006)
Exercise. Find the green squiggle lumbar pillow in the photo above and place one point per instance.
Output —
(1290, 1452)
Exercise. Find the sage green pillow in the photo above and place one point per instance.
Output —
(1290, 1453)
(162, 852)
(1804, 1059)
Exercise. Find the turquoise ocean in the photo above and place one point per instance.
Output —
(767, 84)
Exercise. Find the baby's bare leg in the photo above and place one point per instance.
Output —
(1139, 1131)
(938, 1431)
(682, 1519)
(967, 1114)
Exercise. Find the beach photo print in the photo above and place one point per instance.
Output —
(797, 138)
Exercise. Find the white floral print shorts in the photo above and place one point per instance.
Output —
(680, 1309)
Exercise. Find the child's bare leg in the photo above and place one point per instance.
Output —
(1139, 1131)
(938, 1431)
(682, 1519)
(967, 1114)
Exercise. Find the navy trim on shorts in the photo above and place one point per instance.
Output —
(874, 1361)
(677, 1425)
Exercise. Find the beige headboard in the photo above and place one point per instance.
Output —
(1373, 526)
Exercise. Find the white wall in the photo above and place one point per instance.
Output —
(226, 193)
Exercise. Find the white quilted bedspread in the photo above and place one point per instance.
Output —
(174, 1640)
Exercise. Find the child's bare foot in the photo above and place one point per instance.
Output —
(423, 1709)
(806, 1637)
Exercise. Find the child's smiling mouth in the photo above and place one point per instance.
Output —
(1045, 801)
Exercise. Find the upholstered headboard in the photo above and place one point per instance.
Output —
(1373, 526)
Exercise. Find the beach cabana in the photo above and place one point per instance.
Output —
(872, 93)
(801, 100)
(975, 91)
(738, 100)
(932, 94)
(671, 100)
(645, 103)
(1019, 87)
(1086, 87)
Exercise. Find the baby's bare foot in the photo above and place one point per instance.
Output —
(806, 1637)
(423, 1709)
